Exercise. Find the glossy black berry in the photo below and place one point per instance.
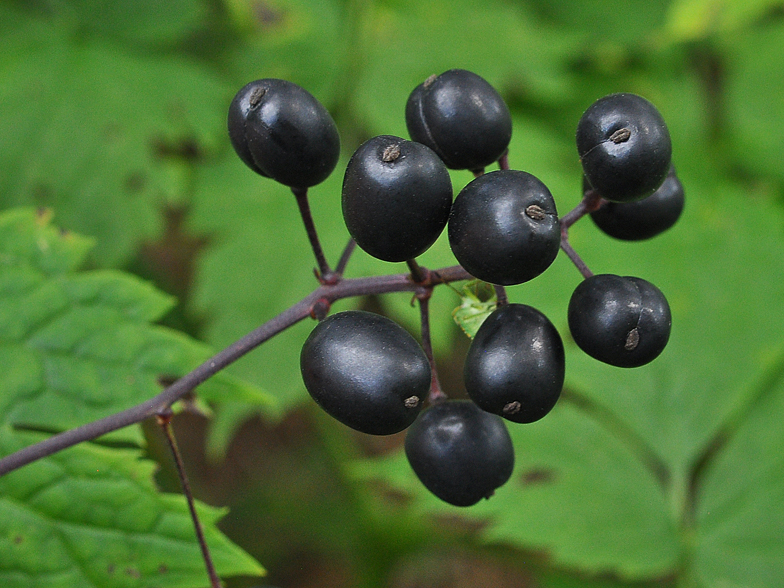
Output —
(460, 452)
(461, 117)
(515, 365)
(282, 132)
(366, 371)
(504, 227)
(646, 218)
(396, 197)
(624, 147)
(622, 321)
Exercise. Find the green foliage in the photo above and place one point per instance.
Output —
(91, 516)
(79, 346)
(477, 302)
(113, 116)
(632, 473)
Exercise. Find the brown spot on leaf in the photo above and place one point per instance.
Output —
(133, 573)
(537, 476)
(134, 182)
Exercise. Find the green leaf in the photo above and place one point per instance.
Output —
(740, 511)
(91, 517)
(750, 92)
(577, 494)
(144, 22)
(96, 132)
(406, 42)
(477, 302)
(603, 483)
(694, 19)
(80, 345)
(611, 21)
(303, 41)
(260, 264)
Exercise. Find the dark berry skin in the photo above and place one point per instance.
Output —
(461, 117)
(646, 218)
(366, 371)
(622, 321)
(504, 227)
(396, 197)
(460, 452)
(624, 147)
(515, 365)
(282, 132)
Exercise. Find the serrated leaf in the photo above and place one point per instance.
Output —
(91, 517)
(260, 264)
(80, 345)
(90, 130)
(477, 301)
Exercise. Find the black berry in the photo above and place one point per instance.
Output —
(622, 321)
(366, 371)
(282, 132)
(515, 365)
(624, 147)
(396, 197)
(646, 218)
(461, 117)
(504, 227)
(460, 452)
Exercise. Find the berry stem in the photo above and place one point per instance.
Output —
(345, 256)
(164, 420)
(436, 392)
(324, 273)
(418, 274)
(500, 295)
(591, 201)
(503, 161)
(575, 258)
(188, 383)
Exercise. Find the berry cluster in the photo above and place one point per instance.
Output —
(503, 228)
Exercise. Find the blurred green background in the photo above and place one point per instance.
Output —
(113, 114)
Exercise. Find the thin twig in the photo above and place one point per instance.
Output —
(436, 392)
(345, 256)
(591, 202)
(500, 295)
(575, 258)
(164, 420)
(302, 309)
(417, 273)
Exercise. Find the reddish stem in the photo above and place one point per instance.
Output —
(591, 201)
(164, 420)
(436, 392)
(326, 293)
(324, 273)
